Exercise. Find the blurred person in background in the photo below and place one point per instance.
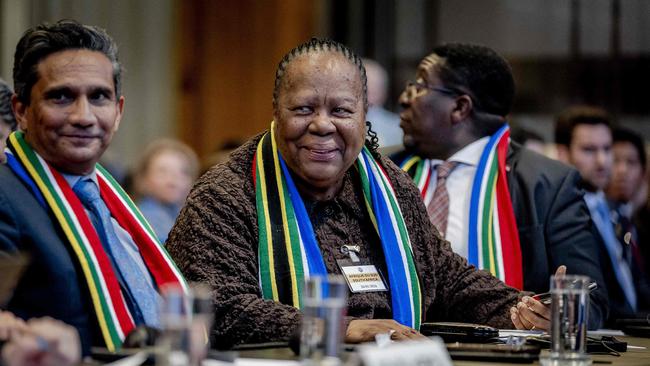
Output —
(583, 135)
(163, 178)
(7, 118)
(384, 122)
(628, 178)
(628, 170)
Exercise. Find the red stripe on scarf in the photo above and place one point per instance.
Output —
(153, 258)
(510, 246)
(425, 188)
(116, 299)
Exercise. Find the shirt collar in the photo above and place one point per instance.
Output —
(594, 198)
(471, 153)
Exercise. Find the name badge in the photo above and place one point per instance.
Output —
(363, 277)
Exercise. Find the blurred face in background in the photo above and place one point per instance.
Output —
(167, 177)
(591, 153)
(627, 172)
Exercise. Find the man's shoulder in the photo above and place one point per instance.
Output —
(532, 166)
(10, 185)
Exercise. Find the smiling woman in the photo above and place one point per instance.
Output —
(286, 203)
(320, 121)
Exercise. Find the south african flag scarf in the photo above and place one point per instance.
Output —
(289, 252)
(54, 192)
(493, 240)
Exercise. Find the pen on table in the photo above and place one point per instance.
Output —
(545, 297)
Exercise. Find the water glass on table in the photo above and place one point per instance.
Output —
(569, 315)
(323, 327)
(186, 318)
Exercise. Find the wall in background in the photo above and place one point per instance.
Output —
(228, 52)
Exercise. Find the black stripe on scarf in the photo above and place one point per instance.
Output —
(280, 259)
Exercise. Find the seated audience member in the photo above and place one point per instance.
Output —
(384, 122)
(163, 178)
(7, 119)
(38, 342)
(456, 136)
(94, 263)
(290, 199)
(628, 176)
(584, 139)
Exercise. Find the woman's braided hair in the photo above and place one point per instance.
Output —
(316, 45)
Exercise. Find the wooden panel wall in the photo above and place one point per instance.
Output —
(227, 52)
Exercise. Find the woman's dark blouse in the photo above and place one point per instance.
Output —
(215, 241)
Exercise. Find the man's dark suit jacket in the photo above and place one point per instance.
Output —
(553, 223)
(53, 284)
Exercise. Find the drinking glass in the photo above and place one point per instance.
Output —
(324, 308)
(569, 313)
(185, 319)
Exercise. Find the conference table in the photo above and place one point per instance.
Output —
(278, 354)
(638, 354)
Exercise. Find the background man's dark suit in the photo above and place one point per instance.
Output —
(53, 284)
(553, 223)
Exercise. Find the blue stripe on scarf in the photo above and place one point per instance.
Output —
(18, 169)
(400, 291)
(472, 241)
(312, 250)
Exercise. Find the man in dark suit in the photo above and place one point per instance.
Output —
(95, 264)
(477, 184)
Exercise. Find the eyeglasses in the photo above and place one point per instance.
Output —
(420, 86)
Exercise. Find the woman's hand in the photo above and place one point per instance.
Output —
(364, 330)
(531, 314)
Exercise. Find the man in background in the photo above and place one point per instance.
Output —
(583, 135)
(456, 137)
